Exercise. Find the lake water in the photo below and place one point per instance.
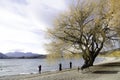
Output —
(27, 66)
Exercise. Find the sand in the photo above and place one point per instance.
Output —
(106, 70)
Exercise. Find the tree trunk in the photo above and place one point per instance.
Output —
(88, 61)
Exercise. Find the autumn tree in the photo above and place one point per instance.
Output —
(85, 28)
(115, 14)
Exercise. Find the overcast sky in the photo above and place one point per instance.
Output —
(23, 22)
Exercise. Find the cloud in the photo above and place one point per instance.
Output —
(23, 23)
(45, 10)
(23, 2)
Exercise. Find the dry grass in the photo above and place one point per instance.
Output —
(114, 53)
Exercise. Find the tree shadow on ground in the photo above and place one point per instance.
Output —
(105, 66)
(105, 72)
(113, 64)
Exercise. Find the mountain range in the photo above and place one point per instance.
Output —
(2, 55)
(21, 55)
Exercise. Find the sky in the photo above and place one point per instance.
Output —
(23, 23)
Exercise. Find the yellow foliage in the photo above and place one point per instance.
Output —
(68, 56)
(52, 57)
(71, 56)
(115, 5)
(115, 12)
(83, 24)
(77, 56)
(115, 54)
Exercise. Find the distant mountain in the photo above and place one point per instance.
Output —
(21, 54)
(2, 56)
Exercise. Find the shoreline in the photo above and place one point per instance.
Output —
(54, 66)
(71, 74)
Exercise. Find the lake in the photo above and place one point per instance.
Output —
(27, 66)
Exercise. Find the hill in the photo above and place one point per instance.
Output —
(24, 55)
(3, 56)
(21, 54)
